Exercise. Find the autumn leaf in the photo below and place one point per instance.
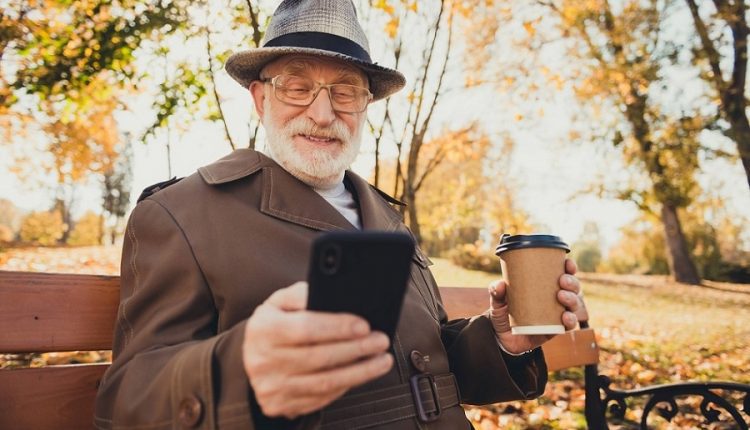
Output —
(392, 27)
(529, 27)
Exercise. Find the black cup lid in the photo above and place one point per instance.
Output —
(520, 241)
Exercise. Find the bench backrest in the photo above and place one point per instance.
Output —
(42, 312)
(59, 312)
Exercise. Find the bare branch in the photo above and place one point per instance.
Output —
(386, 120)
(713, 55)
(425, 70)
(213, 86)
(254, 23)
(438, 92)
(431, 165)
(735, 16)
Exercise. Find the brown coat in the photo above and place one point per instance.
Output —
(199, 257)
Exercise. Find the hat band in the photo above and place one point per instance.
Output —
(324, 41)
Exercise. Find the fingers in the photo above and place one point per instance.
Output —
(570, 283)
(571, 267)
(301, 395)
(342, 378)
(291, 298)
(308, 327)
(575, 309)
(569, 320)
(298, 361)
(305, 327)
(568, 299)
(568, 296)
(279, 327)
(330, 355)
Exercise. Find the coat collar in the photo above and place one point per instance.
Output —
(287, 198)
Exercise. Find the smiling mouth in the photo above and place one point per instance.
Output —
(318, 139)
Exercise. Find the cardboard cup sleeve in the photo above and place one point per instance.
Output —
(533, 275)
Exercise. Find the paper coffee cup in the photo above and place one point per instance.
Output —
(532, 266)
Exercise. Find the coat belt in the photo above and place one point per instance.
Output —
(424, 397)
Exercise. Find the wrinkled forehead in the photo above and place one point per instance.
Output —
(303, 65)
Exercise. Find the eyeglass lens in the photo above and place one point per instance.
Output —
(301, 91)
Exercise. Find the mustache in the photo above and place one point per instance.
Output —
(300, 125)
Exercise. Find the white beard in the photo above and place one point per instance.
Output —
(317, 167)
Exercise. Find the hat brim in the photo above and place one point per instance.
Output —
(245, 67)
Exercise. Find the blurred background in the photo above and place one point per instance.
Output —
(620, 126)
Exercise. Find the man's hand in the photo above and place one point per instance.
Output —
(299, 361)
(569, 296)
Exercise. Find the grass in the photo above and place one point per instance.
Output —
(651, 331)
(448, 274)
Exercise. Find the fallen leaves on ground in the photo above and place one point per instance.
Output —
(97, 260)
(650, 330)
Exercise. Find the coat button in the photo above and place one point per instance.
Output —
(190, 412)
(419, 360)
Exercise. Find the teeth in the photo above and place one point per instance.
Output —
(318, 139)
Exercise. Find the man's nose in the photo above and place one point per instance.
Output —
(321, 111)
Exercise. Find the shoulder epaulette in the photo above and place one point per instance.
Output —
(152, 189)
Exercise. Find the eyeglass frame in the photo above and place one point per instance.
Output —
(318, 86)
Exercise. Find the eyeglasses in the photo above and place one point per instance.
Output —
(301, 91)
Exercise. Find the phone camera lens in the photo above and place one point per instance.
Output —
(330, 260)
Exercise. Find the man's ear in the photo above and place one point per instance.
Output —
(257, 91)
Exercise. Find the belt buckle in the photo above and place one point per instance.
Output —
(416, 393)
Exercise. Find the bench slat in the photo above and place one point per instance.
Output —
(57, 397)
(573, 348)
(42, 312)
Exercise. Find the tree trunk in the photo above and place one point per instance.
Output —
(746, 161)
(740, 132)
(410, 192)
(412, 220)
(680, 264)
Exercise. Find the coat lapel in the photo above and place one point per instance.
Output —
(375, 212)
(287, 198)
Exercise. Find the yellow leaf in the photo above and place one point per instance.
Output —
(529, 27)
(392, 27)
(384, 6)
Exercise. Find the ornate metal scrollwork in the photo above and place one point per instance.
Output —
(663, 400)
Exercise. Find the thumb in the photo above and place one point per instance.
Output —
(498, 312)
(498, 296)
(291, 298)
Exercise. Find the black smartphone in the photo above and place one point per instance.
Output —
(364, 273)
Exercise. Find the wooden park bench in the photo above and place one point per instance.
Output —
(60, 312)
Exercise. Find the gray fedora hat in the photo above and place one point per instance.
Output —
(327, 28)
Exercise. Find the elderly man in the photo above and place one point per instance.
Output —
(212, 330)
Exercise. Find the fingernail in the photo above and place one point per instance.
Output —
(384, 339)
(379, 341)
(360, 327)
(385, 360)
